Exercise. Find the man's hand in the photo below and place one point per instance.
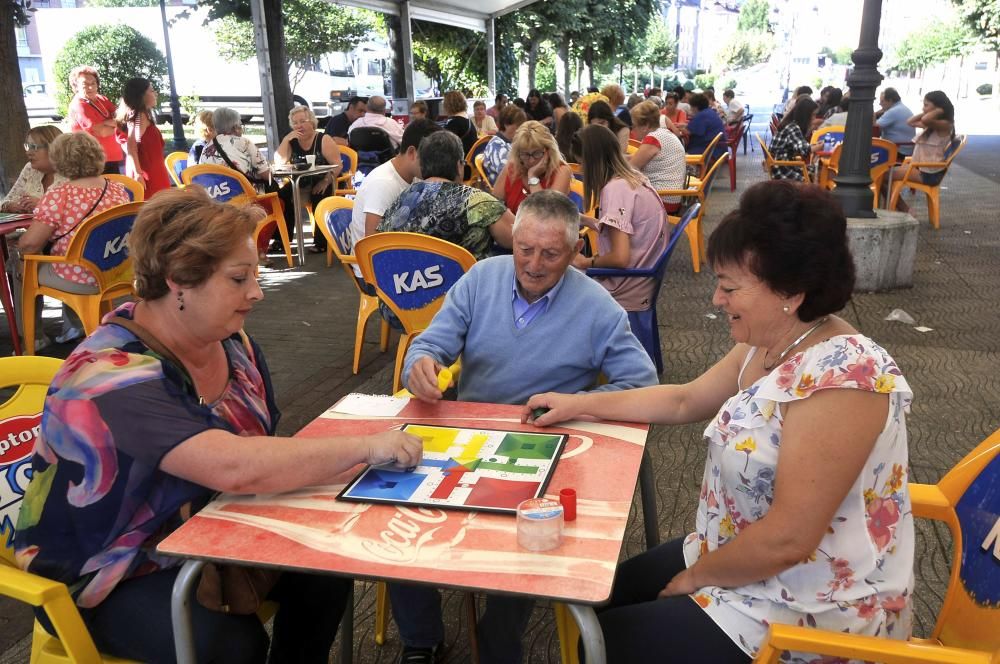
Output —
(682, 584)
(423, 382)
(399, 447)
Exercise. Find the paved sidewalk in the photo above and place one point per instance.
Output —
(306, 327)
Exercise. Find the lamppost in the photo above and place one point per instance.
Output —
(854, 178)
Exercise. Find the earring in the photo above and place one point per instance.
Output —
(785, 308)
(180, 300)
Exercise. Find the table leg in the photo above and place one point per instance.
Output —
(590, 633)
(180, 610)
(7, 300)
(647, 493)
(297, 208)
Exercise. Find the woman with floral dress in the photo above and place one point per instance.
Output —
(803, 516)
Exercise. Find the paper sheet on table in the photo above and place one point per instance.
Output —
(370, 405)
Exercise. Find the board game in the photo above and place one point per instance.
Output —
(469, 469)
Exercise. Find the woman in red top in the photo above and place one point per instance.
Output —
(676, 117)
(535, 163)
(137, 130)
(94, 113)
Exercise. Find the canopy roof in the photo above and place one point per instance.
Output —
(449, 12)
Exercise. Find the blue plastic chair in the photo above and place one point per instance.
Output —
(644, 323)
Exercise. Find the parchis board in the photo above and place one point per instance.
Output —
(468, 469)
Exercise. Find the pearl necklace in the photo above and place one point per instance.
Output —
(784, 353)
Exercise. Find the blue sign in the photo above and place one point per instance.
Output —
(879, 156)
(413, 278)
(219, 187)
(107, 245)
(979, 514)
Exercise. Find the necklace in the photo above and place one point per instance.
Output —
(792, 345)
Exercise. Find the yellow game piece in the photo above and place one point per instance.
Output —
(444, 379)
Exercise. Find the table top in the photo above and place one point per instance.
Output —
(310, 530)
(286, 171)
(10, 226)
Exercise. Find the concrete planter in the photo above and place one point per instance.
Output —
(884, 249)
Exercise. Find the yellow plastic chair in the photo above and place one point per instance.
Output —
(136, 192)
(481, 170)
(345, 181)
(334, 215)
(770, 161)
(695, 230)
(818, 136)
(100, 246)
(230, 186)
(32, 376)
(911, 179)
(703, 160)
(968, 624)
(631, 149)
(175, 163)
(470, 159)
(411, 273)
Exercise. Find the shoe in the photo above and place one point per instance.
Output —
(42, 343)
(316, 250)
(72, 334)
(412, 655)
(264, 261)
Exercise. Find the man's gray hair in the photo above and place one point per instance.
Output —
(226, 120)
(376, 104)
(552, 207)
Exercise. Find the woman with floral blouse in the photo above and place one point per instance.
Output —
(803, 515)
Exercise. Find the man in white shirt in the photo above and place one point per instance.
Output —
(375, 117)
(734, 108)
(384, 184)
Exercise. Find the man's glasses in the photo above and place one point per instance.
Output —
(537, 154)
(31, 147)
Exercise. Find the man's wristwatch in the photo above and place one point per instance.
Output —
(533, 181)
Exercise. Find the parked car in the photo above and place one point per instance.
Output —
(39, 102)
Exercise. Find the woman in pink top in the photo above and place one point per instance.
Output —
(631, 220)
(94, 113)
(937, 119)
(80, 159)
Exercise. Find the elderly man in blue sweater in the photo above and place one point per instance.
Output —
(522, 324)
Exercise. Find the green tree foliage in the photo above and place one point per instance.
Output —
(937, 42)
(117, 51)
(312, 28)
(659, 46)
(982, 17)
(608, 34)
(755, 16)
(745, 49)
(454, 58)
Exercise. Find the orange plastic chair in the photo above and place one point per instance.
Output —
(136, 192)
(230, 186)
(703, 160)
(100, 246)
(175, 163)
(334, 215)
(911, 179)
(883, 158)
(345, 181)
(411, 273)
(481, 170)
(470, 160)
(20, 413)
(694, 230)
(968, 624)
(770, 161)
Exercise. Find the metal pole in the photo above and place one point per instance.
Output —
(491, 56)
(264, 67)
(407, 31)
(854, 178)
(180, 143)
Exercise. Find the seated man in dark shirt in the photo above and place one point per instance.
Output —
(703, 127)
(338, 125)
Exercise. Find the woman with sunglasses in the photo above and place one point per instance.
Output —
(37, 175)
(535, 163)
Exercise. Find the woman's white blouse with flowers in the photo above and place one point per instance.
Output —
(860, 577)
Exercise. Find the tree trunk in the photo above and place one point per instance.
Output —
(279, 65)
(397, 73)
(15, 125)
(588, 58)
(532, 63)
(564, 52)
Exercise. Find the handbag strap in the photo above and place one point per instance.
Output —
(225, 158)
(93, 207)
